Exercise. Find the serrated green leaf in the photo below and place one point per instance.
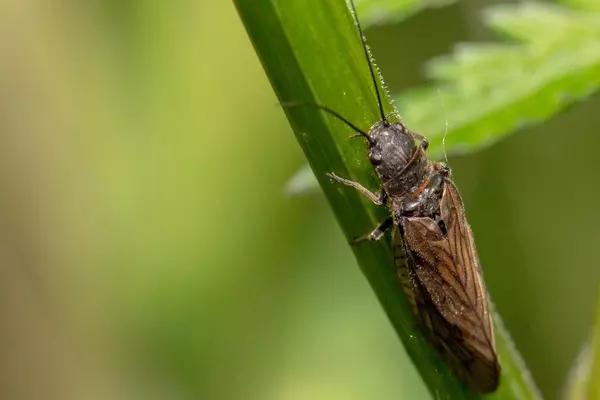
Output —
(543, 25)
(379, 12)
(302, 182)
(486, 91)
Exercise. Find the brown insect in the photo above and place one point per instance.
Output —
(434, 251)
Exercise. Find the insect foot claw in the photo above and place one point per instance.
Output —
(355, 240)
(335, 177)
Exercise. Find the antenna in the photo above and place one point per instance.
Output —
(364, 43)
(445, 130)
(291, 104)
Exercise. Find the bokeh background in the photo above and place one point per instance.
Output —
(147, 249)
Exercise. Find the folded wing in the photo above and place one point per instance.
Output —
(450, 293)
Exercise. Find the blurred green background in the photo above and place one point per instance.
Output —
(148, 250)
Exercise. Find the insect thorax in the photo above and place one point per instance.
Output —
(400, 164)
(423, 199)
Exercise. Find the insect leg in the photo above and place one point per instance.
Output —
(377, 232)
(378, 199)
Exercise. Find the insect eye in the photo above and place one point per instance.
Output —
(375, 158)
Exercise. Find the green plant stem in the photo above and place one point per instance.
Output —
(311, 51)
